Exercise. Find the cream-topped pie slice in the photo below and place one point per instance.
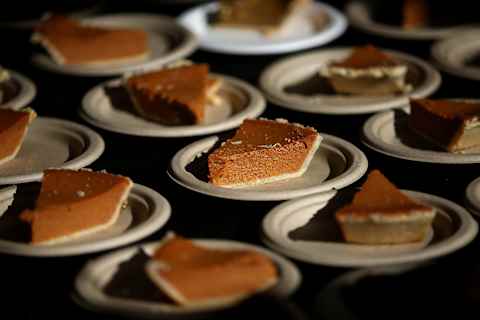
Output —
(194, 275)
(13, 129)
(382, 214)
(367, 71)
(263, 151)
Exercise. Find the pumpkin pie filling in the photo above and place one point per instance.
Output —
(263, 151)
(415, 14)
(71, 42)
(174, 96)
(267, 16)
(381, 214)
(451, 125)
(367, 71)
(13, 129)
(191, 274)
(74, 203)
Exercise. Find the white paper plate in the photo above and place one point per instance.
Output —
(52, 143)
(280, 79)
(336, 164)
(98, 272)
(388, 133)
(454, 53)
(290, 215)
(239, 101)
(147, 211)
(359, 15)
(168, 42)
(473, 196)
(26, 92)
(6, 198)
(304, 31)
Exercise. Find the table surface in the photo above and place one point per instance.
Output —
(42, 287)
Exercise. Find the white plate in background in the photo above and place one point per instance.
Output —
(26, 91)
(168, 41)
(278, 79)
(314, 26)
(360, 16)
(453, 54)
(473, 196)
(52, 143)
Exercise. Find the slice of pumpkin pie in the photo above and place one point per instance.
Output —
(266, 16)
(263, 151)
(70, 42)
(173, 95)
(13, 129)
(194, 275)
(450, 124)
(415, 14)
(382, 214)
(367, 70)
(75, 203)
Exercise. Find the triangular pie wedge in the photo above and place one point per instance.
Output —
(193, 275)
(266, 16)
(367, 70)
(75, 203)
(13, 129)
(415, 14)
(69, 42)
(382, 214)
(263, 151)
(173, 96)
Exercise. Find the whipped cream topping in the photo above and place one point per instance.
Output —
(379, 217)
(375, 72)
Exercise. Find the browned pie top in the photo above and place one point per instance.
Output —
(12, 129)
(200, 273)
(415, 13)
(449, 109)
(379, 195)
(73, 201)
(365, 57)
(10, 117)
(254, 12)
(66, 186)
(185, 84)
(79, 43)
(257, 134)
